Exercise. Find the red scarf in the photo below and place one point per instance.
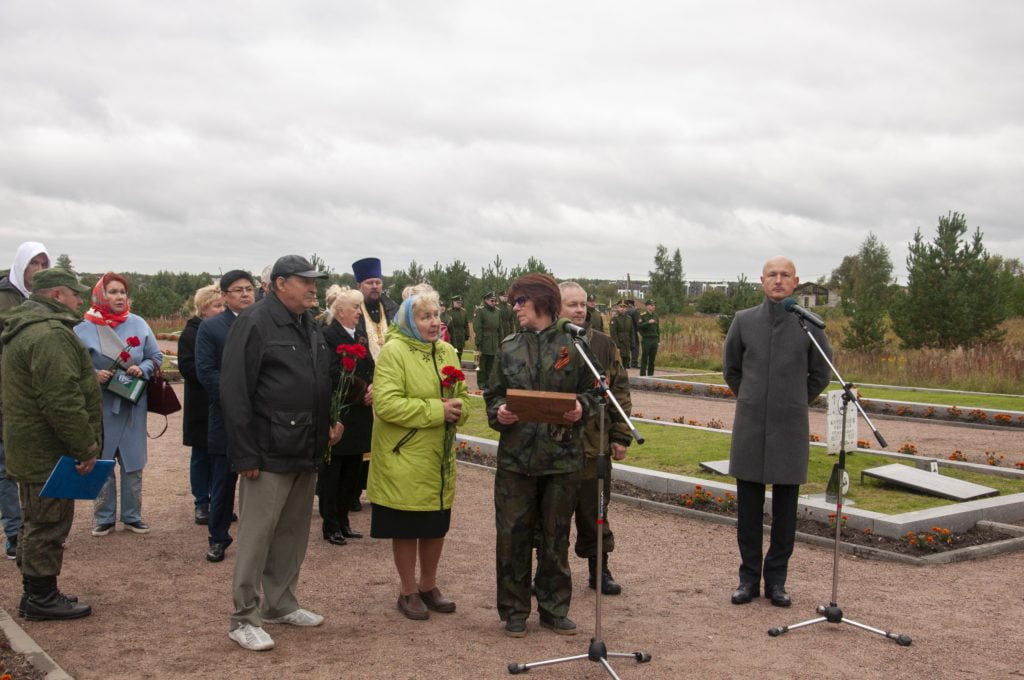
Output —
(99, 313)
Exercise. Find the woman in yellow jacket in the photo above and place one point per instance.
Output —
(417, 403)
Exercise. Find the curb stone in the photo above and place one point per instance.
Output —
(23, 643)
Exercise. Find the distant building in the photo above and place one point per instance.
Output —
(811, 294)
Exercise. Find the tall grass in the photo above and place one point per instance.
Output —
(694, 341)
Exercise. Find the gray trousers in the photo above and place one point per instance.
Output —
(10, 511)
(273, 532)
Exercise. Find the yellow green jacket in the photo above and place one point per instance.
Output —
(409, 469)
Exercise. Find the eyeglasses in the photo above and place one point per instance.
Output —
(521, 300)
(241, 290)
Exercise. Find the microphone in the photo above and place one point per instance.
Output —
(566, 326)
(790, 305)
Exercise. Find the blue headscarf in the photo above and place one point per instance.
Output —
(403, 319)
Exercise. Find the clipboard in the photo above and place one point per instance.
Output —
(65, 482)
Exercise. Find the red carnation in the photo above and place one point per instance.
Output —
(358, 351)
(339, 349)
(348, 363)
(133, 341)
(125, 356)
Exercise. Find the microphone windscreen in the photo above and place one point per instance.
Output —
(788, 304)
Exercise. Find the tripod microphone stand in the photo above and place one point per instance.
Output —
(832, 613)
(598, 651)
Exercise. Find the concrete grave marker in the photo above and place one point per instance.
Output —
(930, 483)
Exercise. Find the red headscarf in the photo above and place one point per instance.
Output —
(99, 313)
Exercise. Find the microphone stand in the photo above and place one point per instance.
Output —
(832, 612)
(597, 652)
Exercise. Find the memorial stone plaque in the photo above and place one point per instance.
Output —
(835, 422)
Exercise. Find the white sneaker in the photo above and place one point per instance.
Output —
(299, 617)
(252, 637)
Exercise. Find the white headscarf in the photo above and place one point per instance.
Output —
(26, 251)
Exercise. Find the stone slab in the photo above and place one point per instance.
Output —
(719, 467)
(930, 483)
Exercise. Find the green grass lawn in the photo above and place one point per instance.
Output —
(982, 401)
(680, 450)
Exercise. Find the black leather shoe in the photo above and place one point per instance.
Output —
(347, 532)
(355, 505)
(745, 593)
(216, 552)
(335, 538)
(202, 514)
(778, 595)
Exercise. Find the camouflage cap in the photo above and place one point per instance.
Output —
(55, 277)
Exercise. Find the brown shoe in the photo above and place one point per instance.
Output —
(436, 601)
(413, 608)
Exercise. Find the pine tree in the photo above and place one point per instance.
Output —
(866, 295)
(953, 297)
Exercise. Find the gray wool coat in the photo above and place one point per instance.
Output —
(775, 372)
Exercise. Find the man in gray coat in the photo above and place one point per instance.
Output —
(775, 372)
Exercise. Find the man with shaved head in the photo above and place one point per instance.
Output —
(775, 372)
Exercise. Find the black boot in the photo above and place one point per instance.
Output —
(44, 602)
(608, 584)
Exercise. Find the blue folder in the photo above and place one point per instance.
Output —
(65, 482)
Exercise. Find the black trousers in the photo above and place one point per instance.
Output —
(336, 485)
(222, 499)
(750, 512)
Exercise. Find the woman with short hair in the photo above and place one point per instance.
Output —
(110, 332)
(208, 302)
(340, 481)
(539, 464)
(418, 401)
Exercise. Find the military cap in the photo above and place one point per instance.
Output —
(620, 303)
(648, 302)
(488, 294)
(456, 298)
(590, 297)
(57, 276)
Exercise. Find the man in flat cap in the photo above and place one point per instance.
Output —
(53, 407)
(275, 393)
(487, 336)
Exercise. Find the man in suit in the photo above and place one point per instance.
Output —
(239, 292)
(775, 372)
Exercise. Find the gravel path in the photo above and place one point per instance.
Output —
(161, 610)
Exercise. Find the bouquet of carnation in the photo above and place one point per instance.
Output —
(340, 400)
(126, 386)
(452, 377)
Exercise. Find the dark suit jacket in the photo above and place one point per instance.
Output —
(210, 339)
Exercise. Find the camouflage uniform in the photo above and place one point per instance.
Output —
(622, 334)
(538, 472)
(649, 337)
(594, 319)
(487, 336)
(458, 328)
(616, 431)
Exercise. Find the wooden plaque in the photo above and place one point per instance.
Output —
(535, 406)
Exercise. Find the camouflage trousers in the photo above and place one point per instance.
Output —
(46, 523)
(524, 505)
(586, 512)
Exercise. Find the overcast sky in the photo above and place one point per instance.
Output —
(214, 135)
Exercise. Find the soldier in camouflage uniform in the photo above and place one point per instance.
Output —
(487, 336)
(617, 438)
(649, 338)
(634, 314)
(509, 324)
(53, 407)
(622, 332)
(594, 318)
(538, 464)
(458, 325)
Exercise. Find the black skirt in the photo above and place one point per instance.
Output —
(387, 522)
